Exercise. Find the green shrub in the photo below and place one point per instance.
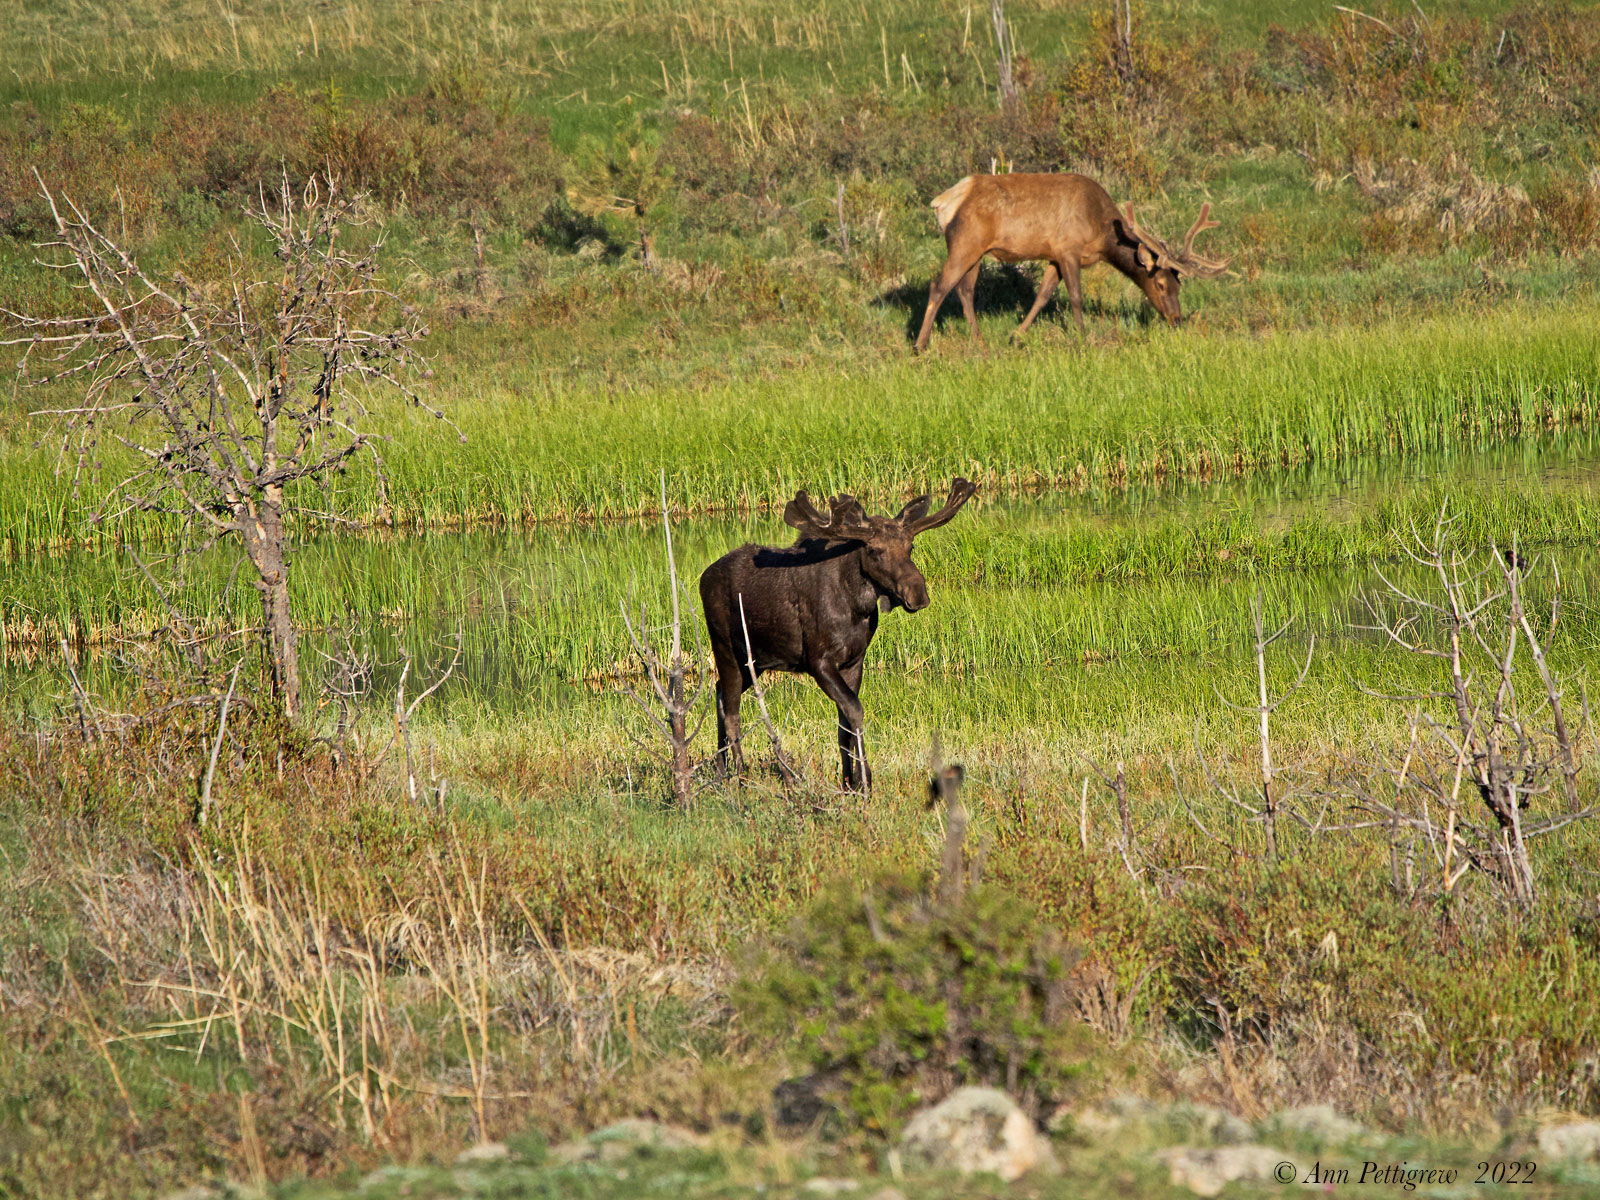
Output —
(892, 999)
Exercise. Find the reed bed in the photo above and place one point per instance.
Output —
(1167, 407)
(1056, 619)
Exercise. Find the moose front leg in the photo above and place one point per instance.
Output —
(842, 687)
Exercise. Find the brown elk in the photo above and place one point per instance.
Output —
(812, 609)
(1067, 221)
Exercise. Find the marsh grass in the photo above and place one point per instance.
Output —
(1168, 408)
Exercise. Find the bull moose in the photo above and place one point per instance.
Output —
(1069, 222)
(812, 609)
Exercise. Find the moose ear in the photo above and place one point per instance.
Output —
(800, 514)
(960, 492)
(913, 512)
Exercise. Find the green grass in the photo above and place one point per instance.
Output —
(1170, 406)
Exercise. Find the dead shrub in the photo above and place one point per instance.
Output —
(1444, 203)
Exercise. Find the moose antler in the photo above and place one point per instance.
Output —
(802, 515)
(845, 520)
(1153, 252)
(847, 514)
(961, 491)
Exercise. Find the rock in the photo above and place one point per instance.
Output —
(831, 1187)
(483, 1152)
(1578, 1140)
(1319, 1122)
(625, 1139)
(1206, 1171)
(977, 1129)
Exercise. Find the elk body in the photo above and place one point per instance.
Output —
(812, 609)
(1069, 222)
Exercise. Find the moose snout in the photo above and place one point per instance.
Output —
(915, 597)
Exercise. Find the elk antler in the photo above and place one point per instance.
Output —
(1191, 263)
(960, 492)
(1150, 250)
(1153, 252)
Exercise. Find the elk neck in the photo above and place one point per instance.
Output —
(1120, 255)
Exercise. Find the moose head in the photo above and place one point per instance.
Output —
(885, 541)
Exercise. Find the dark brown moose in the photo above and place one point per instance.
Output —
(1069, 222)
(812, 609)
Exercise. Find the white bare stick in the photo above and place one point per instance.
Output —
(216, 746)
(784, 768)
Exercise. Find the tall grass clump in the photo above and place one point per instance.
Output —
(1172, 407)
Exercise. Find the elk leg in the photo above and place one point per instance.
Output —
(1072, 273)
(852, 751)
(949, 275)
(730, 691)
(967, 290)
(1047, 288)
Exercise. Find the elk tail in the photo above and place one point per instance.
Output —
(948, 202)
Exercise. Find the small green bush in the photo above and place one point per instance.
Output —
(893, 1000)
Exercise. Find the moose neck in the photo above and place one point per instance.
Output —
(859, 587)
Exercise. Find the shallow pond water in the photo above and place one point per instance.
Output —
(1030, 586)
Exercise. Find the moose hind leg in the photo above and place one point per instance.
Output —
(730, 691)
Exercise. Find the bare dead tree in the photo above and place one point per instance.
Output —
(1005, 48)
(235, 394)
(844, 228)
(204, 806)
(667, 674)
(1505, 743)
(1118, 783)
(350, 672)
(1122, 40)
(1265, 706)
(346, 681)
(403, 713)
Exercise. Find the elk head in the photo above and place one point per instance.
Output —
(885, 541)
(1161, 270)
